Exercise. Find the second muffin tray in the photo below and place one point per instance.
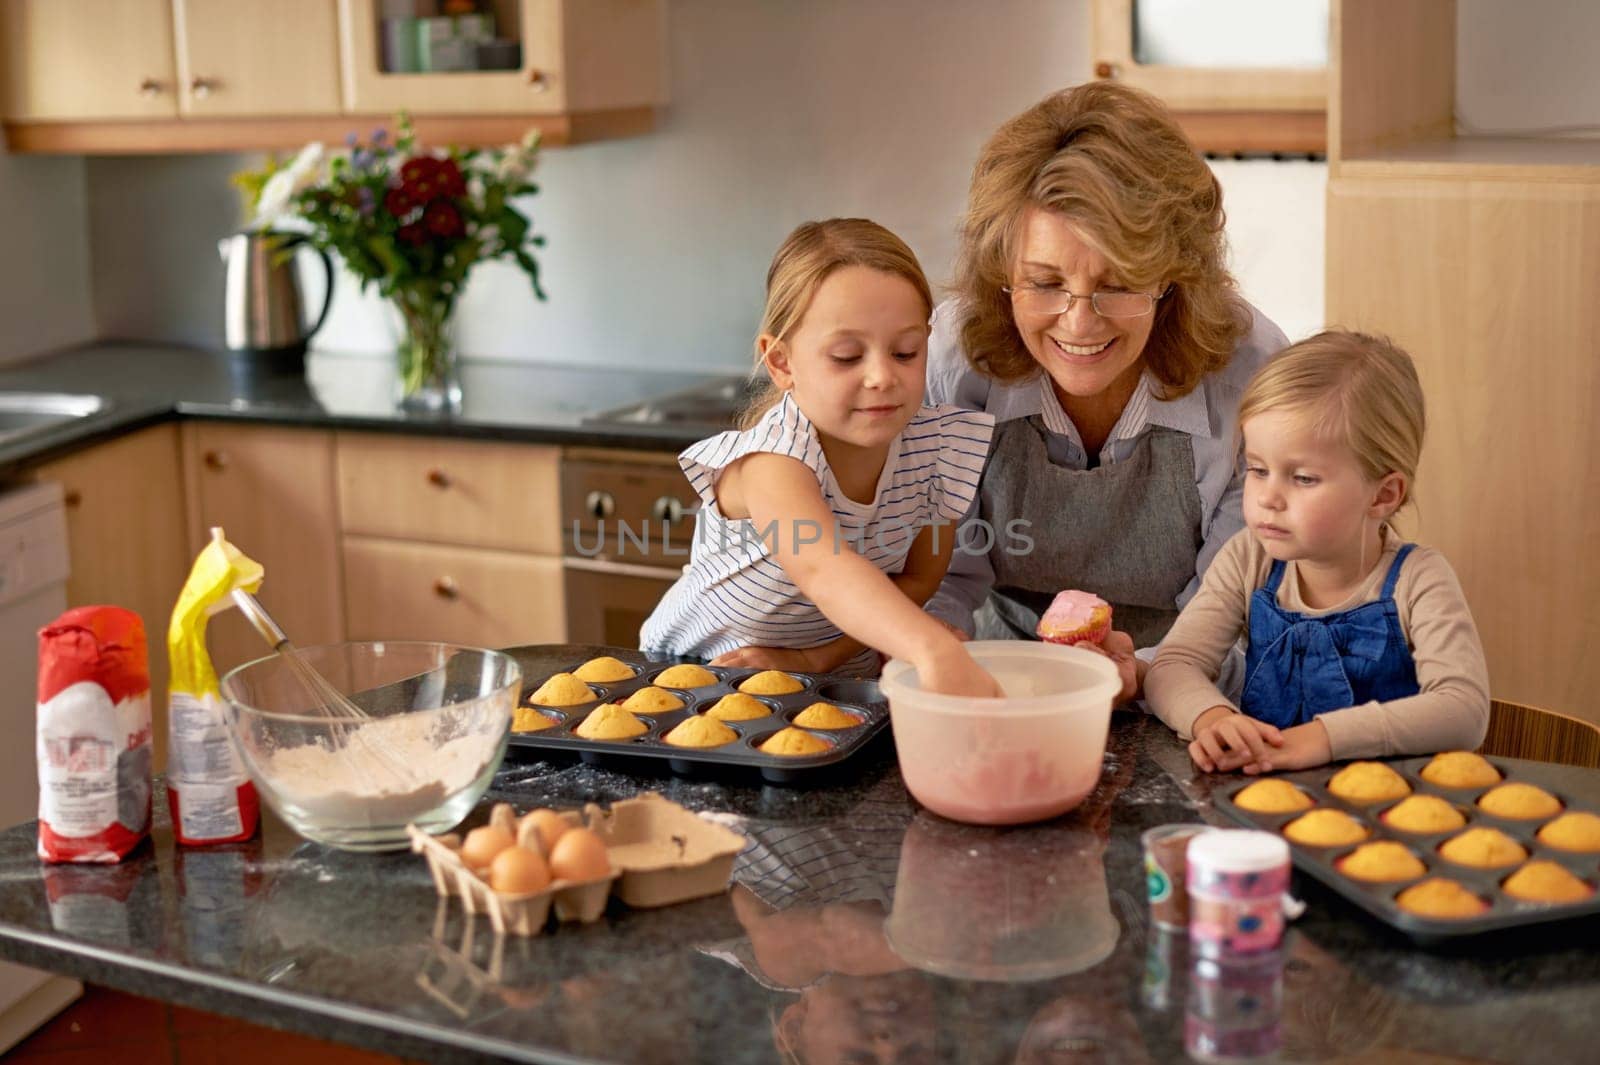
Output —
(1378, 899)
(860, 698)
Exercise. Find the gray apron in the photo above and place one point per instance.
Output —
(1127, 531)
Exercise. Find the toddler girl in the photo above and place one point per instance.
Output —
(1358, 644)
(831, 514)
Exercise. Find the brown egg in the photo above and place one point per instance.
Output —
(549, 824)
(579, 855)
(482, 844)
(518, 871)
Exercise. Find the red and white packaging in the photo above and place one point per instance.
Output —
(93, 735)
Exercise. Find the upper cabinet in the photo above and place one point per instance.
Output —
(239, 58)
(71, 60)
(162, 76)
(1239, 75)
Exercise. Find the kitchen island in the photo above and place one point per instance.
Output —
(857, 924)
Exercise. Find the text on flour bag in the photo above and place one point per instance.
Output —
(208, 791)
(93, 735)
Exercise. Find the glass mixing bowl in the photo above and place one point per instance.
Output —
(431, 730)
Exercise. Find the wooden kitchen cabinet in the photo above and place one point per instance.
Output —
(125, 538)
(455, 540)
(65, 60)
(272, 490)
(1477, 255)
(237, 58)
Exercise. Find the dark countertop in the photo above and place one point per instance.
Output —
(148, 383)
(795, 959)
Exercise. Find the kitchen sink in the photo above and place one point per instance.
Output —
(24, 413)
(712, 404)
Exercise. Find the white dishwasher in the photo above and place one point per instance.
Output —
(33, 591)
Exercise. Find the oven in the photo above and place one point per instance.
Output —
(627, 521)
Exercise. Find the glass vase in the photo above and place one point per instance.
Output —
(429, 380)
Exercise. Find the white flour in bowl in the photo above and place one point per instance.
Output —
(388, 772)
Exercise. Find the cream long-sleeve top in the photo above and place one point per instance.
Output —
(1449, 712)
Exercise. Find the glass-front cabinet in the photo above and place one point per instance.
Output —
(502, 56)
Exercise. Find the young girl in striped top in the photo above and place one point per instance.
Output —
(829, 518)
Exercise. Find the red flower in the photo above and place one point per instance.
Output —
(442, 219)
(398, 202)
(420, 178)
(412, 233)
(449, 179)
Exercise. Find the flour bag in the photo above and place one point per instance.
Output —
(208, 791)
(93, 735)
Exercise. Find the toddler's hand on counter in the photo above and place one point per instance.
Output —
(1225, 741)
(808, 660)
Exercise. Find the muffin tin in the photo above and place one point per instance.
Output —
(1378, 899)
(850, 694)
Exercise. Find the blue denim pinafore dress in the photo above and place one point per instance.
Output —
(1298, 667)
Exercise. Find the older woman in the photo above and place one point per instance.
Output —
(1095, 318)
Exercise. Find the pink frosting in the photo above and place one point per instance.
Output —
(1071, 609)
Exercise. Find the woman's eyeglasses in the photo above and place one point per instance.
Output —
(1051, 300)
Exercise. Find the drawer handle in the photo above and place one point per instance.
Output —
(446, 588)
(72, 499)
(216, 460)
(149, 87)
(203, 87)
(538, 80)
(667, 509)
(438, 478)
(600, 504)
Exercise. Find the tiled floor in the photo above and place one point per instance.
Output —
(108, 1026)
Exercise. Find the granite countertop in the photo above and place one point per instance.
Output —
(148, 383)
(847, 906)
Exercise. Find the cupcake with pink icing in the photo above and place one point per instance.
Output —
(1075, 617)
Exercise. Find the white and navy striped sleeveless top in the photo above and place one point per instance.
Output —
(734, 594)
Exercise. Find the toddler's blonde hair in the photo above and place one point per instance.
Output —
(1354, 389)
(808, 257)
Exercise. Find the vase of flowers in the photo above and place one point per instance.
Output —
(413, 223)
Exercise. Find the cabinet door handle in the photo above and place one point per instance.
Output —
(72, 499)
(666, 509)
(446, 588)
(150, 87)
(538, 80)
(600, 504)
(438, 478)
(203, 87)
(215, 460)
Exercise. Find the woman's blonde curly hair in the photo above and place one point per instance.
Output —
(1111, 159)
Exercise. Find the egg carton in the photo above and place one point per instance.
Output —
(1378, 899)
(660, 854)
(860, 698)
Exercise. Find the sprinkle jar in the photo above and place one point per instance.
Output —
(1237, 881)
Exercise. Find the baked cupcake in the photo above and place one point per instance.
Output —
(1364, 782)
(604, 670)
(1325, 828)
(825, 716)
(527, 719)
(1383, 861)
(738, 707)
(609, 721)
(1460, 769)
(1483, 848)
(1075, 617)
(1439, 897)
(1545, 882)
(1576, 831)
(652, 700)
(687, 675)
(770, 682)
(1519, 802)
(700, 731)
(1423, 813)
(562, 689)
(1273, 796)
(793, 742)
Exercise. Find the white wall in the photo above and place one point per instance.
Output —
(44, 271)
(658, 245)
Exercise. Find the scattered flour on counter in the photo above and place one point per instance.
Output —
(389, 771)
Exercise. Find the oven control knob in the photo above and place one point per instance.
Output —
(666, 509)
(600, 504)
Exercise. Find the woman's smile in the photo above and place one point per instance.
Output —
(1082, 352)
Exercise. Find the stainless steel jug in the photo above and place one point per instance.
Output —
(263, 312)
